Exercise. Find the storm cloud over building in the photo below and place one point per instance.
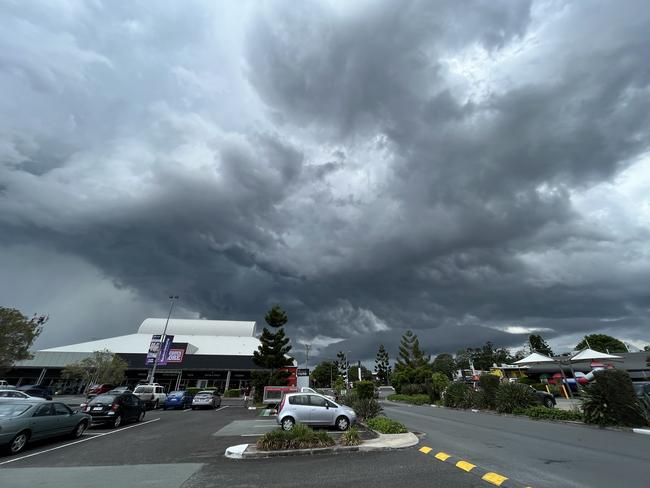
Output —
(471, 173)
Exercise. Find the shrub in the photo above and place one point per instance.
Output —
(365, 389)
(439, 382)
(412, 399)
(193, 391)
(365, 408)
(459, 395)
(412, 389)
(351, 437)
(510, 396)
(384, 425)
(232, 393)
(610, 400)
(543, 413)
(300, 437)
(489, 384)
(525, 380)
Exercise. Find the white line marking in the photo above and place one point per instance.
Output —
(250, 435)
(641, 431)
(221, 408)
(186, 409)
(78, 442)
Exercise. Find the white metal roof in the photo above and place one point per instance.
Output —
(198, 327)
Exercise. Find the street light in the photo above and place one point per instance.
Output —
(173, 299)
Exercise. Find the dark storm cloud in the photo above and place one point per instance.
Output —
(371, 166)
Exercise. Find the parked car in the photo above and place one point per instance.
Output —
(544, 398)
(37, 390)
(18, 395)
(5, 384)
(311, 390)
(99, 389)
(153, 395)
(178, 399)
(311, 409)
(120, 389)
(327, 392)
(115, 409)
(28, 420)
(642, 389)
(206, 398)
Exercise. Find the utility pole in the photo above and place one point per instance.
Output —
(173, 299)
(307, 348)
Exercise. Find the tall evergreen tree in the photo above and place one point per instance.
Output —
(274, 348)
(539, 345)
(405, 353)
(382, 365)
(342, 363)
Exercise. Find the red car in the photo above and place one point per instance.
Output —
(99, 389)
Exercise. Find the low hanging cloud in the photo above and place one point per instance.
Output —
(371, 166)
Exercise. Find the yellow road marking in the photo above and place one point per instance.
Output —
(425, 450)
(494, 478)
(465, 466)
(443, 456)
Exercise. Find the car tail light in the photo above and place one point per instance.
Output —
(281, 404)
(84, 407)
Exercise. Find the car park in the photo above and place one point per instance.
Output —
(18, 395)
(206, 398)
(153, 395)
(115, 409)
(37, 391)
(28, 420)
(178, 399)
(313, 409)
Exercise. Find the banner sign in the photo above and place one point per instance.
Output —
(154, 349)
(164, 352)
(303, 372)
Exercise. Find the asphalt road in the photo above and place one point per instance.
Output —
(178, 449)
(540, 454)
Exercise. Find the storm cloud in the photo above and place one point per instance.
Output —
(468, 172)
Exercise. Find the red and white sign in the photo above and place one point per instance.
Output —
(176, 355)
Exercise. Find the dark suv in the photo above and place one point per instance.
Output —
(115, 409)
(37, 391)
(544, 398)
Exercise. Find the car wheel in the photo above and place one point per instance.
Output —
(342, 423)
(79, 429)
(141, 416)
(548, 403)
(117, 421)
(288, 423)
(19, 442)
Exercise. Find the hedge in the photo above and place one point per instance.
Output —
(412, 399)
(300, 437)
(543, 413)
(384, 425)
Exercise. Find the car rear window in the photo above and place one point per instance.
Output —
(177, 393)
(103, 399)
(8, 410)
(299, 400)
(205, 393)
(143, 389)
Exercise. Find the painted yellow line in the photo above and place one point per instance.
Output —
(465, 466)
(425, 450)
(443, 456)
(494, 478)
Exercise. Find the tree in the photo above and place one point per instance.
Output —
(272, 353)
(439, 381)
(646, 348)
(382, 365)
(324, 374)
(482, 357)
(17, 334)
(366, 374)
(101, 367)
(410, 355)
(602, 343)
(539, 345)
(444, 363)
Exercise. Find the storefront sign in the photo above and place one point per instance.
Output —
(303, 372)
(164, 353)
(176, 355)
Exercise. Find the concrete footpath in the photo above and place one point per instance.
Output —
(385, 442)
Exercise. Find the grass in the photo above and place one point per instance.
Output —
(300, 437)
(419, 399)
(384, 425)
(351, 437)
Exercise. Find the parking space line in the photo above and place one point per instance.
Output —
(78, 442)
(221, 408)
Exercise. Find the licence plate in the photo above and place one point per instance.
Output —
(95, 409)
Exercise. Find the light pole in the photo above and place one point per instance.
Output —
(173, 299)
(307, 348)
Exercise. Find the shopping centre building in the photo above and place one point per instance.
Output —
(202, 353)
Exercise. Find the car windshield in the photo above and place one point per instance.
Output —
(143, 389)
(103, 399)
(177, 393)
(8, 410)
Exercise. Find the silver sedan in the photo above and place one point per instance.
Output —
(22, 421)
(206, 399)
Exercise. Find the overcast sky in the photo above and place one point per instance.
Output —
(472, 172)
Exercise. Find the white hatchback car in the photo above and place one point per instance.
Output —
(314, 409)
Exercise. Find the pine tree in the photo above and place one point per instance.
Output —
(382, 365)
(539, 345)
(418, 359)
(342, 363)
(274, 348)
(405, 353)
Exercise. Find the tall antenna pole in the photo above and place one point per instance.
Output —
(173, 299)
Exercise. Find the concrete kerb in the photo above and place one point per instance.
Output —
(385, 442)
